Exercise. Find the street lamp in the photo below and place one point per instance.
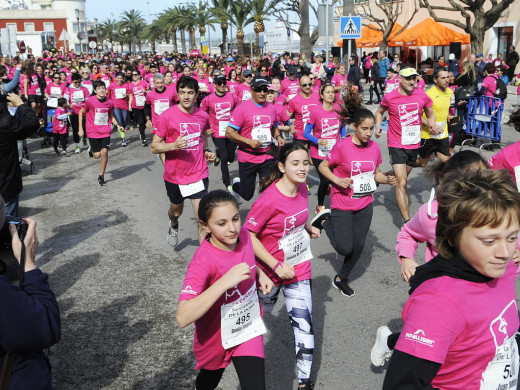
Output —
(95, 32)
(79, 30)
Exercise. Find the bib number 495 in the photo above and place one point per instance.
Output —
(242, 320)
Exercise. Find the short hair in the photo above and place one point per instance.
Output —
(474, 199)
(75, 76)
(439, 70)
(61, 101)
(98, 83)
(490, 68)
(158, 76)
(188, 82)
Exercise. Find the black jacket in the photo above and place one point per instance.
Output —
(354, 74)
(13, 129)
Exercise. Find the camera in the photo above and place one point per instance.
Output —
(5, 234)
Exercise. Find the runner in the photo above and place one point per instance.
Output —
(301, 107)
(118, 93)
(356, 163)
(280, 233)
(461, 318)
(136, 103)
(59, 127)
(99, 120)
(255, 119)
(508, 159)
(290, 85)
(34, 86)
(221, 281)
(405, 106)
(339, 80)
(323, 130)
(104, 75)
(219, 105)
(76, 96)
(53, 91)
(243, 90)
(181, 136)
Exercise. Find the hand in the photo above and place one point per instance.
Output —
(281, 141)
(408, 267)
(323, 142)
(130, 108)
(391, 180)
(315, 232)
(235, 275)
(30, 241)
(343, 182)
(255, 143)
(265, 284)
(379, 132)
(15, 99)
(285, 271)
(293, 130)
(121, 128)
(81, 133)
(435, 130)
(149, 123)
(209, 131)
(462, 102)
(180, 143)
(210, 156)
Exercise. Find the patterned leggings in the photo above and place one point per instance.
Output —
(298, 301)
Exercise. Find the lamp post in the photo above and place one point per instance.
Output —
(95, 33)
(79, 30)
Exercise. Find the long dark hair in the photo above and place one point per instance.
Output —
(352, 102)
(275, 172)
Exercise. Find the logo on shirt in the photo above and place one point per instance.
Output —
(409, 114)
(191, 132)
(306, 111)
(329, 127)
(261, 122)
(188, 290)
(291, 222)
(222, 110)
(420, 337)
(359, 167)
(252, 221)
(501, 327)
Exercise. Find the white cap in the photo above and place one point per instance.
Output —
(451, 57)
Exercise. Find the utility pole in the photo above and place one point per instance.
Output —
(348, 9)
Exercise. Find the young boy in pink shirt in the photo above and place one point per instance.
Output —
(59, 126)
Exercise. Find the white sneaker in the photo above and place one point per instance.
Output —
(173, 235)
(380, 351)
(234, 193)
(77, 150)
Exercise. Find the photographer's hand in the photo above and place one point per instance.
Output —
(15, 99)
(30, 241)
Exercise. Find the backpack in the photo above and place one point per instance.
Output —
(501, 91)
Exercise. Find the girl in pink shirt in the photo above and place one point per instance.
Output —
(281, 237)
(338, 80)
(137, 90)
(221, 281)
(233, 82)
(59, 126)
(118, 92)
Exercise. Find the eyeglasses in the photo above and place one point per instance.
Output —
(135, 74)
(261, 89)
(220, 83)
(56, 78)
(249, 75)
(408, 78)
(307, 85)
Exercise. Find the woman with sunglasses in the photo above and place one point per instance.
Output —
(243, 91)
(76, 95)
(118, 92)
(138, 89)
(54, 91)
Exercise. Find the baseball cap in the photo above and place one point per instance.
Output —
(271, 87)
(407, 72)
(292, 70)
(230, 59)
(451, 56)
(247, 72)
(258, 82)
(219, 79)
(480, 55)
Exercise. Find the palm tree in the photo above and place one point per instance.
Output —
(220, 7)
(173, 19)
(239, 15)
(152, 31)
(204, 16)
(107, 30)
(260, 11)
(190, 19)
(132, 21)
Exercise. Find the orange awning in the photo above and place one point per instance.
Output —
(429, 33)
(373, 38)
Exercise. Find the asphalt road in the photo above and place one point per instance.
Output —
(117, 280)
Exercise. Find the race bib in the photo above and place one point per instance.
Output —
(441, 135)
(89, 88)
(240, 321)
(107, 83)
(101, 118)
(502, 371)
(324, 150)
(291, 96)
(55, 91)
(191, 189)
(139, 100)
(160, 107)
(202, 85)
(52, 102)
(363, 184)
(517, 177)
(222, 126)
(411, 135)
(410, 123)
(78, 96)
(262, 134)
(296, 246)
(38, 91)
(246, 95)
(120, 93)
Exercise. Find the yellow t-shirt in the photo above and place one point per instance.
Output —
(441, 108)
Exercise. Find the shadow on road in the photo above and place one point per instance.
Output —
(128, 170)
(72, 271)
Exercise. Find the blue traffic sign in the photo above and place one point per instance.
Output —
(350, 27)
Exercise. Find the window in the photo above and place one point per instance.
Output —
(74, 27)
(11, 26)
(28, 27)
(48, 26)
(505, 39)
(77, 48)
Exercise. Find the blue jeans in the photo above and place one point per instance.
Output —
(11, 206)
(121, 116)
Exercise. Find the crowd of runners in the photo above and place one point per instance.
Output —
(278, 116)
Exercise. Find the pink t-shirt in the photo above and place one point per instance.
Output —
(281, 113)
(54, 90)
(338, 81)
(88, 84)
(467, 327)
(119, 95)
(243, 92)
(138, 92)
(508, 158)
(254, 122)
(204, 83)
(160, 102)
(350, 160)
(208, 265)
(405, 113)
(302, 108)
(76, 97)
(98, 122)
(219, 109)
(490, 82)
(33, 88)
(188, 165)
(420, 84)
(232, 86)
(274, 216)
(59, 126)
(327, 126)
(290, 88)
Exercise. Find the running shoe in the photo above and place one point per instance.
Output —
(306, 386)
(343, 287)
(63, 153)
(145, 143)
(217, 161)
(101, 180)
(89, 150)
(229, 188)
(308, 189)
(123, 143)
(234, 193)
(77, 150)
(320, 218)
(380, 352)
(108, 146)
(319, 209)
(173, 235)
(57, 152)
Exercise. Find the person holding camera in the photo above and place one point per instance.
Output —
(29, 314)
(13, 129)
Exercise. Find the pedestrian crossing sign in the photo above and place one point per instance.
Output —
(350, 27)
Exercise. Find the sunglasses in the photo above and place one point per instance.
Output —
(307, 85)
(261, 89)
(250, 75)
(56, 78)
(135, 74)
(220, 83)
(408, 78)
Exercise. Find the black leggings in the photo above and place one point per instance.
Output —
(347, 232)
(324, 182)
(226, 152)
(250, 371)
(247, 172)
(371, 91)
(140, 120)
(74, 123)
(62, 139)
